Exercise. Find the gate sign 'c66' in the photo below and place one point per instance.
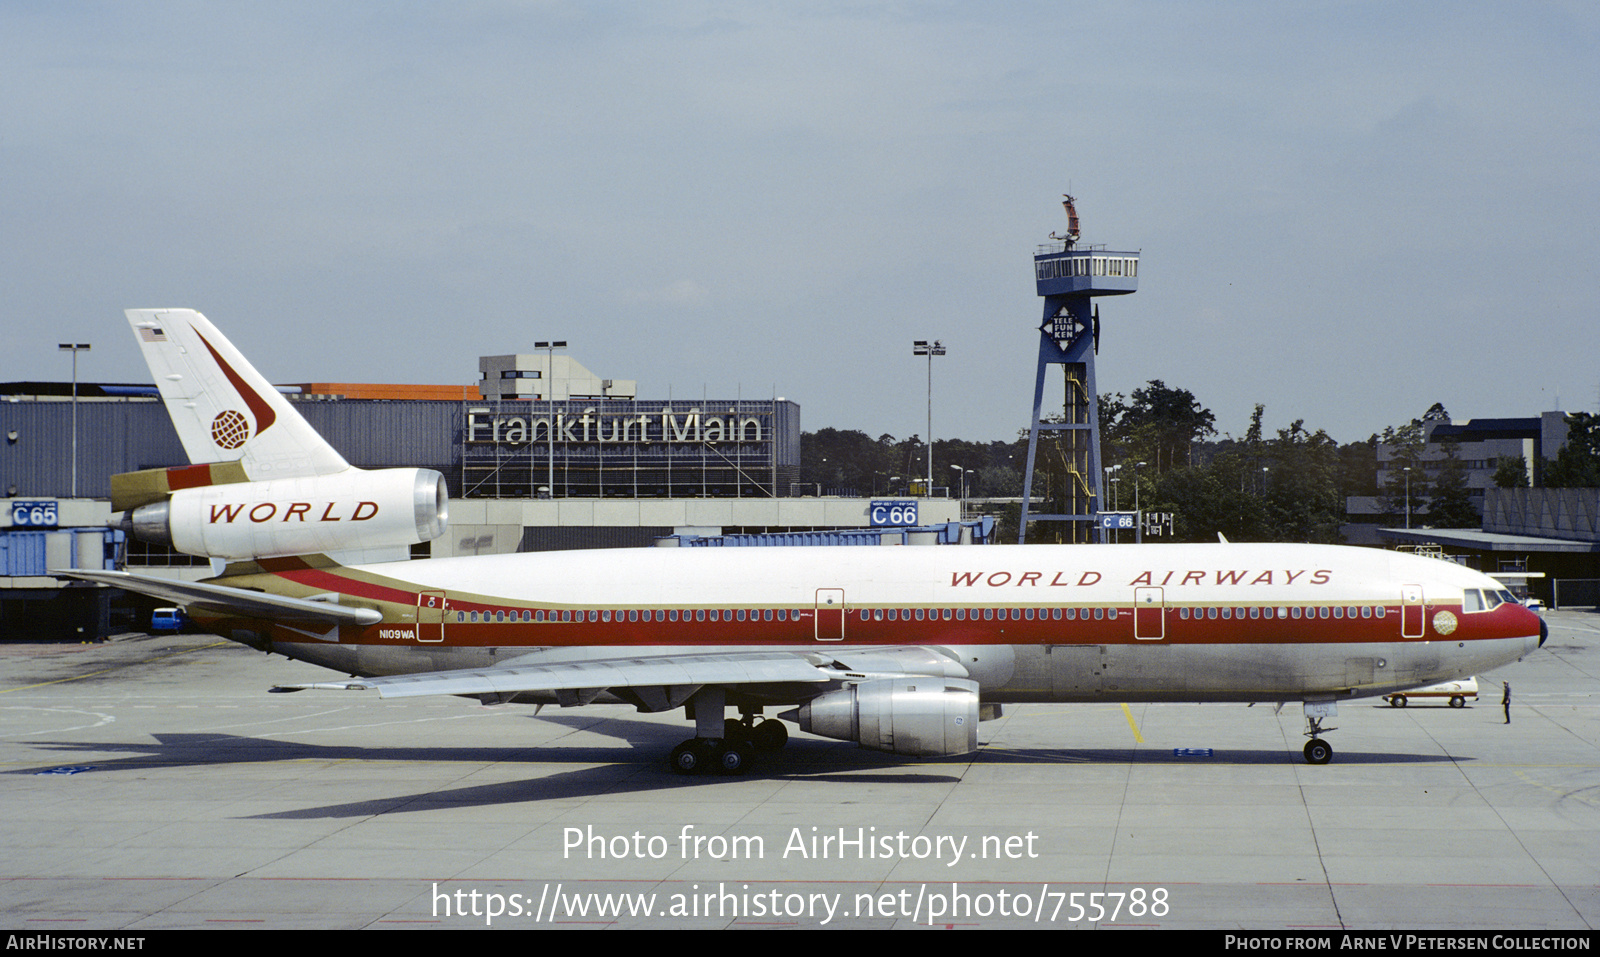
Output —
(888, 512)
(1118, 519)
(34, 514)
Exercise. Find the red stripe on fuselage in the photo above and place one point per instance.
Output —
(1118, 631)
(355, 588)
(188, 476)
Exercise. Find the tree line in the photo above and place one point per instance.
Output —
(1163, 449)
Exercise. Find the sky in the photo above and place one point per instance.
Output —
(1347, 211)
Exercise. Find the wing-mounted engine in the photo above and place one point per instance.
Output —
(348, 510)
(913, 715)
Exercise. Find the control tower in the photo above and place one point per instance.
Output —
(1068, 275)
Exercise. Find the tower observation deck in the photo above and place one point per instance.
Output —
(1068, 275)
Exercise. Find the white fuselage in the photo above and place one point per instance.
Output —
(1228, 622)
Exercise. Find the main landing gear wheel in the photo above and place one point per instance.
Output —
(724, 745)
(733, 758)
(710, 756)
(690, 757)
(770, 735)
(764, 735)
(1318, 751)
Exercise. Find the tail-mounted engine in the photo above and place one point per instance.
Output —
(914, 715)
(352, 509)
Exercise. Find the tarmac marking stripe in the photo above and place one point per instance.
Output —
(1129, 715)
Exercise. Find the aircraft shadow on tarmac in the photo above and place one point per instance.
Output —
(634, 764)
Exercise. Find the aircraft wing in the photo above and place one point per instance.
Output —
(241, 601)
(688, 672)
(652, 682)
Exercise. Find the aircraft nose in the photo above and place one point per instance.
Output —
(1544, 631)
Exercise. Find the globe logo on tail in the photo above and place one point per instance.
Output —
(230, 429)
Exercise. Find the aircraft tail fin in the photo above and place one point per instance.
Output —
(223, 409)
(263, 483)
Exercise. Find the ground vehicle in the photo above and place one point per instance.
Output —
(1457, 691)
(167, 619)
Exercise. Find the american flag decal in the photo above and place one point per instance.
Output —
(151, 334)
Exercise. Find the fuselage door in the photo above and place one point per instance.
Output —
(1411, 611)
(830, 614)
(430, 615)
(1149, 613)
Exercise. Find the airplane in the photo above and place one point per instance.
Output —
(902, 650)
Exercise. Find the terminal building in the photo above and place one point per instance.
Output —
(541, 454)
(1477, 447)
(1543, 540)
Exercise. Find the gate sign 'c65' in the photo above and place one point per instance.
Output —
(891, 513)
(34, 514)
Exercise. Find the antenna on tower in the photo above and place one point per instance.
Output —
(1071, 236)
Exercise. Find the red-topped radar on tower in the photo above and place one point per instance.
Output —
(1071, 236)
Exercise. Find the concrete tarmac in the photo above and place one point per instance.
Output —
(153, 783)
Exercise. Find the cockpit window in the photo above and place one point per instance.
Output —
(1485, 600)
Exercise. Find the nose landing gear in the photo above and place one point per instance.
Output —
(1318, 751)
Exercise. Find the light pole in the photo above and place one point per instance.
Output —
(74, 348)
(1110, 481)
(1138, 516)
(550, 399)
(1408, 496)
(963, 489)
(922, 347)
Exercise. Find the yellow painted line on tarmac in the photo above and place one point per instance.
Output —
(106, 671)
(1129, 715)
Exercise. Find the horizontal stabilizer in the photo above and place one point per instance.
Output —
(240, 601)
